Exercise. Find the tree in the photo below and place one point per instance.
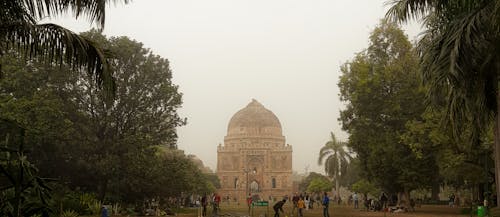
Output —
(19, 29)
(352, 174)
(460, 61)
(142, 116)
(336, 159)
(304, 184)
(382, 91)
(88, 143)
(26, 104)
(365, 187)
(461, 163)
(319, 185)
(168, 173)
(213, 179)
(22, 191)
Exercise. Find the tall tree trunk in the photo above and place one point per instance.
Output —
(480, 191)
(17, 196)
(102, 188)
(404, 198)
(337, 186)
(400, 197)
(497, 152)
(435, 190)
(407, 198)
(497, 138)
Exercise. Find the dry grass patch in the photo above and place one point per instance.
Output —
(338, 211)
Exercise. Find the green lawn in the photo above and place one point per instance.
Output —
(335, 211)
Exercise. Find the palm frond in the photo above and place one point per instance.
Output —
(456, 58)
(57, 44)
(334, 155)
(404, 10)
(460, 60)
(454, 63)
(93, 9)
(331, 165)
(12, 11)
(325, 151)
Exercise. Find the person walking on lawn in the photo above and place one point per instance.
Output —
(301, 205)
(295, 199)
(325, 203)
(204, 203)
(279, 207)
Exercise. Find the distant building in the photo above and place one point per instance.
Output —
(254, 158)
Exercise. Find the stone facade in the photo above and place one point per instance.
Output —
(254, 158)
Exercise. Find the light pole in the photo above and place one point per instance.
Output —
(247, 183)
(247, 187)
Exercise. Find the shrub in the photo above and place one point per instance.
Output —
(71, 201)
(95, 207)
(115, 209)
(69, 213)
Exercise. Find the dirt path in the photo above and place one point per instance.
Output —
(344, 211)
(424, 211)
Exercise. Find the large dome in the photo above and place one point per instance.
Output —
(254, 120)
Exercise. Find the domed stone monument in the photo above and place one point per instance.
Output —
(254, 158)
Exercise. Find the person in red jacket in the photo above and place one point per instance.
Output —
(216, 202)
(249, 202)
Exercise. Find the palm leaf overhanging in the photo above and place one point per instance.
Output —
(460, 55)
(460, 61)
(19, 29)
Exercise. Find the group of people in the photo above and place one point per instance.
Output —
(299, 204)
(453, 200)
(215, 200)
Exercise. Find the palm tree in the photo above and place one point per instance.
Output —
(460, 59)
(336, 159)
(19, 29)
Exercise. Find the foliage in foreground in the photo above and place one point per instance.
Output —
(123, 151)
(20, 29)
(460, 63)
(23, 192)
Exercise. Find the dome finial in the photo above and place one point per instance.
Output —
(255, 103)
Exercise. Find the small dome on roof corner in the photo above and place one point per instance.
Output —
(254, 120)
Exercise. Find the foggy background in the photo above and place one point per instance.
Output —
(284, 53)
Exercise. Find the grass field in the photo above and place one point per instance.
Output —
(335, 211)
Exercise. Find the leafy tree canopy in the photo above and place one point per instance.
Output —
(365, 187)
(124, 150)
(382, 90)
(304, 184)
(318, 185)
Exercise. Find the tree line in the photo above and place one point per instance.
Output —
(423, 115)
(121, 149)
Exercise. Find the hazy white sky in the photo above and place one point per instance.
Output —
(284, 53)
